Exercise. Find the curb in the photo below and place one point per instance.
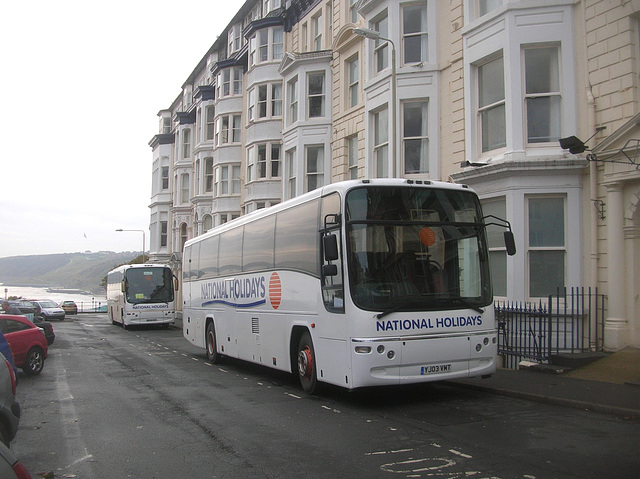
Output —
(572, 403)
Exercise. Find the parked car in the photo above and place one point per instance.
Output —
(29, 309)
(69, 307)
(48, 309)
(5, 349)
(9, 407)
(27, 341)
(10, 467)
(25, 307)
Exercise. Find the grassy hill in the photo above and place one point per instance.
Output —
(83, 271)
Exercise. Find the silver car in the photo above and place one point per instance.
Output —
(47, 309)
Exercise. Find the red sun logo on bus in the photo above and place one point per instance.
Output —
(275, 290)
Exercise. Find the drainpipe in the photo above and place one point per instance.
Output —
(593, 185)
(593, 192)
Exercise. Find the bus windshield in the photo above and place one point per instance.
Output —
(413, 249)
(149, 285)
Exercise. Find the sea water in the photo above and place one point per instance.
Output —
(85, 302)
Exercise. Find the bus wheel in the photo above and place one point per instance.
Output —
(307, 364)
(212, 349)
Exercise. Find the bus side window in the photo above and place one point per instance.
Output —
(332, 268)
(332, 284)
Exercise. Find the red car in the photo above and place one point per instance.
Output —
(27, 342)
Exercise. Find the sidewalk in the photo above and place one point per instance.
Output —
(609, 385)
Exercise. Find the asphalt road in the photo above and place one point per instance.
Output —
(144, 403)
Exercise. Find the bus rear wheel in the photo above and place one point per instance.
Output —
(307, 364)
(212, 347)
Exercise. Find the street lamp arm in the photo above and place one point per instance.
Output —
(375, 35)
(144, 241)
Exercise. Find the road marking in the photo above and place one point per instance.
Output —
(379, 453)
(337, 411)
(458, 453)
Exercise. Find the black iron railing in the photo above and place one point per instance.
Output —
(571, 321)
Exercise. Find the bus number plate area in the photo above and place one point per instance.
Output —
(435, 369)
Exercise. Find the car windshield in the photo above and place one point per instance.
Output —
(416, 249)
(47, 304)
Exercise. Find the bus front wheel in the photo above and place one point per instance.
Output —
(307, 364)
(212, 349)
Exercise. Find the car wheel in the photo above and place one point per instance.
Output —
(34, 362)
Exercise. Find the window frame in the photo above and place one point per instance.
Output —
(424, 162)
(424, 43)
(353, 81)
(529, 98)
(318, 173)
(292, 97)
(352, 156)
(186, 143)
(545, 248)
(381, 60)
(208, 174)
(210, 121)
(380, 144)
(489, 107)
(313, 97)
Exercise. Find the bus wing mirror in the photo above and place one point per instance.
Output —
(123, 286)
(176, 283)
(509, 240)
(329, 270)
(510, 243)
(330, 245)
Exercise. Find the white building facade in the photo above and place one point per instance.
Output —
(290, 97)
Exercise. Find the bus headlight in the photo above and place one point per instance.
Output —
(391, 354)
(478, 347)
(363, 349)
(486, 341)
(380, 348)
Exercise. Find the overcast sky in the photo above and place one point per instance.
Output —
(82, 83)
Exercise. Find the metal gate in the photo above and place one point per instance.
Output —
(571, 321)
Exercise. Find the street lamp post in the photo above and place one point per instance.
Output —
(374, 35)
(144, 242)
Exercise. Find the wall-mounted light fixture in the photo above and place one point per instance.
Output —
(575, 145)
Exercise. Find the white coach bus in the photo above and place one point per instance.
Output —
(139, 294)
(359, 283)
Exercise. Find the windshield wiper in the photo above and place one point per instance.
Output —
(393, 309)
(466, 303)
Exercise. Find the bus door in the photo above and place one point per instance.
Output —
(332, 345)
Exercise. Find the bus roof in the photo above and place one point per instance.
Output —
(125, 267)
(341, 186)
